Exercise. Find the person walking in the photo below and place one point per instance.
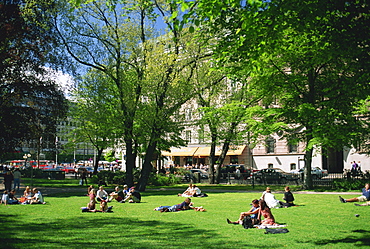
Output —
(17, 178)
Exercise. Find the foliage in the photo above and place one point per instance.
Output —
(350, 184)
(309, 58)
(163, 180)
(30, 101)
(109, 177)
(109, 156)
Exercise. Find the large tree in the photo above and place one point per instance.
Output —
(30, 101)
(312, 54)
(150, 74)
(94, 108)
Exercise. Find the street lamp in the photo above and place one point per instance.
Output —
(26, 156)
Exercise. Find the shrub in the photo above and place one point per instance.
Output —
(348, 184)
(164, 180)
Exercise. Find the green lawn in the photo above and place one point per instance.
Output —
(320, 221)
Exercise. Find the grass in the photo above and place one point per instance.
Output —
(320, 221)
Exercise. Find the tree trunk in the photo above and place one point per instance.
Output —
(96, 163)
(130, 162)
(212, 175)
(221, 160)
(147, 166)
(307, 181)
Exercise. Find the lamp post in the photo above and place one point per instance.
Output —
(25, 157)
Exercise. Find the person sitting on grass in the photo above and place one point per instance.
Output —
(37, 197)
(288, 197)
(364, 197)
(270, 199)
(12, 198)
(118, 195)
(265, 211)
(91, 207)
(188, 192)
(5, 198)
(101, 194)
(133, 196)
(253, 213)
(104, 207)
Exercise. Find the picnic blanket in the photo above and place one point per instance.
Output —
(268, 226)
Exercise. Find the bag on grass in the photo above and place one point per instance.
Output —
(248, 222)
(276, 230)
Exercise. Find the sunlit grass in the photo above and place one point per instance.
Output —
(319, 221)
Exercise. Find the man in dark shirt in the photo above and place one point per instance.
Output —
(288, 197)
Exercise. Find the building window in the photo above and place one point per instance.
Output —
(270, 145)
(234, 160)
(293, 166)
(188, 114)
(270, 165)
(188, 136)
(293, 148)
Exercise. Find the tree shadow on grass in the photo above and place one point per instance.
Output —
(357, 237)
(102, 230)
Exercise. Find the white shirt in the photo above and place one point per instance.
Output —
(271, 201)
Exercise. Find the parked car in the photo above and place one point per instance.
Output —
(69, 170)
(316, 172)
(274, 174)
(231, 168)
(203, 173)
(189, 175)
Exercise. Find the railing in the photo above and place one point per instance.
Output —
(297, 179)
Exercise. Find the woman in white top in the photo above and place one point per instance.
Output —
(101, 195)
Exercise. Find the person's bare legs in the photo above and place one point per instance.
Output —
(348, 200)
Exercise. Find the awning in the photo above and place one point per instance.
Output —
(183, 151)
(233, 151)
(203, 151)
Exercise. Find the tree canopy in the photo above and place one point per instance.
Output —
(30, 100)
(313, 55)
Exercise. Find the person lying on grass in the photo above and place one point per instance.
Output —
(253, 213)
(185, 205)
(363, 198)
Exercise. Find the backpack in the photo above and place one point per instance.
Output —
(248, 222)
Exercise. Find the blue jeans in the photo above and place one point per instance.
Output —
(17, 183)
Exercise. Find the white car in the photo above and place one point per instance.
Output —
(316, 172)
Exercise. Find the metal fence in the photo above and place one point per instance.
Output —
(327, 181)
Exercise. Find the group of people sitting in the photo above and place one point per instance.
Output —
(262, 208)
(33, 196)
(101, 196)
(192, 191)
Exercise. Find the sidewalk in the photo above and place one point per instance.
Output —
(48, 191)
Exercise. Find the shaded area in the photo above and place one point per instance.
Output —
(356, 238)
(125, 232)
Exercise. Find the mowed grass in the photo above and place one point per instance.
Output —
(320, 220)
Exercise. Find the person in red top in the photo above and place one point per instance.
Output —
(265, 211)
